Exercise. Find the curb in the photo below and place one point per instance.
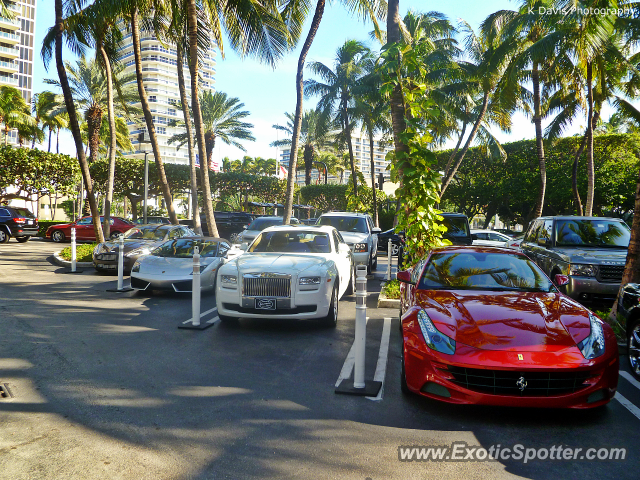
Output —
(385, 302)
(58, 260)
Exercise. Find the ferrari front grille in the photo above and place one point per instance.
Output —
(521, 384)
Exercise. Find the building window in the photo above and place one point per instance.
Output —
(161, 130)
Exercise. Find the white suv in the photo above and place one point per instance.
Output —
(358, 231)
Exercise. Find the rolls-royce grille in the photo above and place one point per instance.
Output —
(267, 287)
(610, 273)
(521, 384)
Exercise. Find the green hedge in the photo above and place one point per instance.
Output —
(84, 252)
(43, 225)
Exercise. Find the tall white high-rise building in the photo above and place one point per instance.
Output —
(16, 48)
(160, 78)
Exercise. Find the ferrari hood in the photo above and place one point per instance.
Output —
(170, 266)
(522, 321)
(276, 263)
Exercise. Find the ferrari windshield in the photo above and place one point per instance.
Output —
(483, 271)
(345, 224)
(288, 241)
(152, 232)
(592, 233)
(183, 248)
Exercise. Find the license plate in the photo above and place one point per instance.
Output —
(265, 303)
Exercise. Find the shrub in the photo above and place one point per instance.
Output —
(391, 289)
(84, 252)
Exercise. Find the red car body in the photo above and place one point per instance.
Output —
(502, 338)
(84, 229)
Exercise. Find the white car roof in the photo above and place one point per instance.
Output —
(297, 228)
(344, 214)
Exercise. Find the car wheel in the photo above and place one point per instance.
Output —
(4, 236)
(331, 320)
(633, 346)
(58, 236)
(375, 263)
(23, 239)
(394, 249)
(403, 375)
(351, 288)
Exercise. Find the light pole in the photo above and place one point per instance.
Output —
(146, 186)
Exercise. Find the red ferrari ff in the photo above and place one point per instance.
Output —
(483, 325)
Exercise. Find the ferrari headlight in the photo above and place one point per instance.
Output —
(138, 252)
(593, 346)
(360, 247)
(435, 339)
(136, 267)
(582, 270)
(229, 280)
(309, 281)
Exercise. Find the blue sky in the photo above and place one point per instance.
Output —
(267, 93)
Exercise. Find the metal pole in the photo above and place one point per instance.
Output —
(389, 250)
(146, 186)
(361, 325)
(73, 250)
(120, 261)
(195, 289)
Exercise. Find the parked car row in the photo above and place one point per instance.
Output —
(17, 222)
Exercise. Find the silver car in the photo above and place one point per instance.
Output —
(258, 225)
(170, 266)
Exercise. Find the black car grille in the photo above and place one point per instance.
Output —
(279, 311)
(521, 384)
(185, 286)
(137, 283)
(610, 273)
(267, 287)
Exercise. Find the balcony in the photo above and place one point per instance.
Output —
(10, 38)
(6, 80)
(9, 24)
(8, 67)
(9, 52)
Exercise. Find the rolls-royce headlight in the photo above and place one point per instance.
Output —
(435, 339)
(360, 247)
(138, 252)
(593, 345)
(229, 280)
(136, 267)
(309, 281)
(582, 270)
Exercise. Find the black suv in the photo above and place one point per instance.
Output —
(17, 222)
(229, 224)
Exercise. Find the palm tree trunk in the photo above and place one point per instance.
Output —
(373, 180)
(58, 140)
(574, 176)
(537, 120)
(112, 142)
(347, 129)
(472, 135)
(49, 149)
(73, 123)
(162, 177)
(590, 174)
(455, 150)
(195, 208)
(293, 158)
(192, 23)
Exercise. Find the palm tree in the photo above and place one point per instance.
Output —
(314, 136)
(14, 111)
(46, 108)
(352, 62)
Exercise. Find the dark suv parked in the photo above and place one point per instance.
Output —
(229, 224)
(591, 251)
(17, 222)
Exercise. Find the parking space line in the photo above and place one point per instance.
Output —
(628, 405)
(214, 319)
(214, 309)
(347, 368)
(627, 376)
(383, 357)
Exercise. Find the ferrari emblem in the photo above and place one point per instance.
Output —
(521, 383)
(520, 356)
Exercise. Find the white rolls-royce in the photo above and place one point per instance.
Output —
(287, 272)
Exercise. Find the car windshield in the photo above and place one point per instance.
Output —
(183, 248)
(592, 233)
(345, 224)
(483, 271)
(456, 226)
(292, 242)
(145, 233)
(23, 212)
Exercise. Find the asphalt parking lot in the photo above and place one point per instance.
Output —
(104, 385)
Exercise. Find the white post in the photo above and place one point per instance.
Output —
(195, 289)
(73, 250)
(120, 261)
(389, 250)
(361, 325)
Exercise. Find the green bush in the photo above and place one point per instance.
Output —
(43, 225)
(392, 289)
(84, 252)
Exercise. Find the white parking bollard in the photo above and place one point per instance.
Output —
(360, 386)
(120, 288)
(389, 259)
(73, 250)
(195, 289)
